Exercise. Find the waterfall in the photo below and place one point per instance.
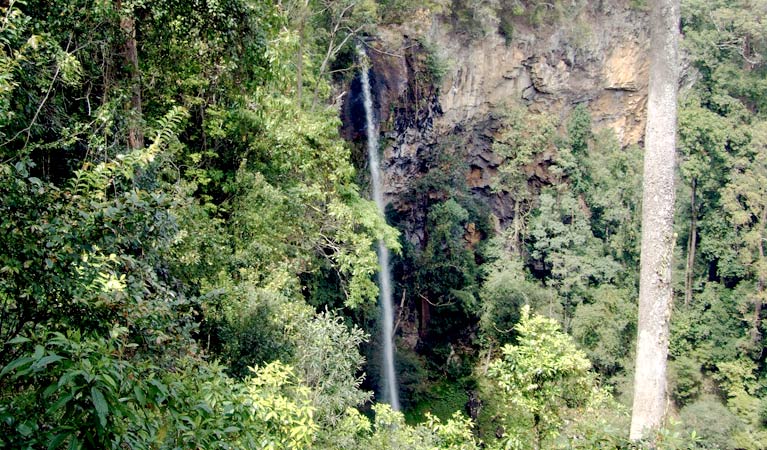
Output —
(391, 391)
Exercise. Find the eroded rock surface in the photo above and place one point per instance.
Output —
(597, 58)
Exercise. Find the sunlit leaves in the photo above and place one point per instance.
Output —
(542, 377)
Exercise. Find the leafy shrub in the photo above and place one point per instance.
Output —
(545, 379)
(437, 64)
(711, 421)
(77, 391)
(389, 431)
(246, 326)
(86, 392)
(328, 361)
(504, 292)
(685, 380)
(605, 326)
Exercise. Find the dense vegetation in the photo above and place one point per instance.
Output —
(187, 258)
(572, 250)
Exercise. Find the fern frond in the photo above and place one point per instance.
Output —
(92, 181)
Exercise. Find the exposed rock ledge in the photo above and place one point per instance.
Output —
(541, 67)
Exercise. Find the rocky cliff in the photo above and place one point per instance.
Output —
(596, 56)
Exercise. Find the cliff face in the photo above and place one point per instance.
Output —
(597, 58)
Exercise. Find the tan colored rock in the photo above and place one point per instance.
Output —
(549, 79)
(482, 76)
(547, 68)
(474, 178)
(622, 111)
(626, 68)
(472, 235)
(479, 177)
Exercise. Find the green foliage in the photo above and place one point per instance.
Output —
(88, 392)
(504, 292)
(726, 42)
(441, 272)
(709, 330)
(127, 269)
(447, 273)
(247, 326)
(436, 62)
(74, 253)
(614, 196)
(640, 5)
(712, 422)
(191, 246)
(544, 378)
(79, 391)
(442, 399)
(389, 431)
(579, 130)
(328, 360)
(685, 380)
(524, 140)
(721, 144)
(321, 36)
(572, 152)
(580, 234)
(562, 241)
(743, 199)
(300, 176)
(605, 327)
(414, 373)
(275, 393)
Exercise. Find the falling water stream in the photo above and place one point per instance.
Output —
(390, 389)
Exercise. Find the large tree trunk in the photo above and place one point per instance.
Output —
(655, 290)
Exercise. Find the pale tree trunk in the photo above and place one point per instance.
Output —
(655, 290)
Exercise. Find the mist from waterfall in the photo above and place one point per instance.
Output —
(389, 377)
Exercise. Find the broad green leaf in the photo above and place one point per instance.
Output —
(44, 361)
(139, 393)
(100, 403)
(59, 403)
(58, 440)
(15, 364)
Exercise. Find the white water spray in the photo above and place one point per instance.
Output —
(384, 277)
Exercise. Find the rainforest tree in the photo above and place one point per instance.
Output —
(655, 289)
